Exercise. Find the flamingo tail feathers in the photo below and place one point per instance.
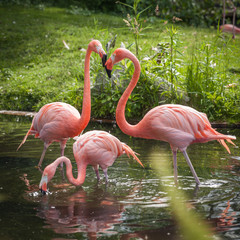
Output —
(129, 152)
(231, 141)
(221, 141)
(211, 134)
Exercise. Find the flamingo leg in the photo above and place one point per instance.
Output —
(97, 172)
(46, 145)
(62, 147)
(175, 166)
(106, 176)
(191, 166)
(62, 151)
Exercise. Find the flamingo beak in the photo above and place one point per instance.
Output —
(43, 184)
(108, 72)
(109, 66)
(104, 59)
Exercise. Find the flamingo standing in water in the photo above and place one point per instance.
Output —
(96, 148)
(59, 121)
(178, 125)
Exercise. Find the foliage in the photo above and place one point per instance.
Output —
(207, 79)
(73, 9)
(194, 12)
(179, 64)
(135, 24)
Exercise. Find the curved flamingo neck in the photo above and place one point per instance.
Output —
(120, 111)
(81, 170)
(86, 105)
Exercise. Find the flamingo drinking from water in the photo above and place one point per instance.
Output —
(178, 125)
(96, 148)
(59, 121)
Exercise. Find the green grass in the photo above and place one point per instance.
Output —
(36, 68)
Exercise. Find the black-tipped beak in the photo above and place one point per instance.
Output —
(108, 72)
(104, 59)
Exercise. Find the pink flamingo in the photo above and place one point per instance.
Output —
(59, 121)
(230, 28)
(176, 124)
(96, 148)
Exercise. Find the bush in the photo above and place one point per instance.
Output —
(197, 13)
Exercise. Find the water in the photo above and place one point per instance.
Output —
(132, 206)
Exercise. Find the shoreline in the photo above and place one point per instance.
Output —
(31, 114)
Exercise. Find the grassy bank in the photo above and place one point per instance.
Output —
(196, 67)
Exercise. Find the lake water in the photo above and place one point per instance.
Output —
(132, 206)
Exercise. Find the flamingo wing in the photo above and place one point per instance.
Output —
(56, 121)
(180, 126)
(100, 148)
(97, 148)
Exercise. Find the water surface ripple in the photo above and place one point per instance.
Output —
(132, 205)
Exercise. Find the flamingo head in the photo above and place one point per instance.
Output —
(96, 46)
(47, 175)
(117, 56)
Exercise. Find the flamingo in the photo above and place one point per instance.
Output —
(58, 121)
(176, 124)
(96, 148)
(230, 28)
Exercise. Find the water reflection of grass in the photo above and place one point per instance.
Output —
(189, 222)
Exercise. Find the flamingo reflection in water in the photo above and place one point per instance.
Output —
(93, 213)
(226, 219)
